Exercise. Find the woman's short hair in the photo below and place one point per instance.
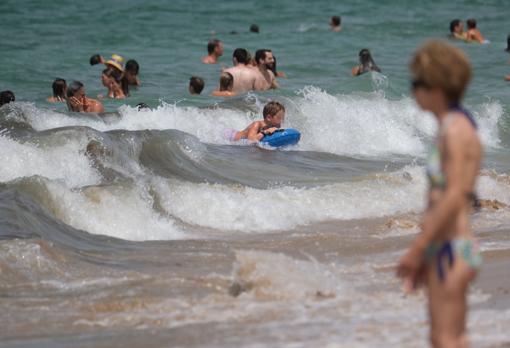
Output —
(440, 65)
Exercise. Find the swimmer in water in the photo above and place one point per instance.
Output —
(114, 88)
(336, 23)
(366, 63)
(274, 115)
(6, 97)
(96, 59)
(254, 28)
(265, 77)
(131, 72)
(130, 76)
(59, 91)
(77, 101)
(457, 30)
(244, 75)
(226, 86)
(473, 34)
(272, 67)
(115, 63)
(214, 51)
(196, 85)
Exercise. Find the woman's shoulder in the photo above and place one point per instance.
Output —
(459, 124)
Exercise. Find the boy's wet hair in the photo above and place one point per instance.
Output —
(336, 20)
(453, 24)
(197, 84)
(254, 28)
(95, 59)
(6, 97)
(226, 81)
(471, 23)
(211, 45)
(272, 108)
(132, 66)
(59, 88)
(241, 55)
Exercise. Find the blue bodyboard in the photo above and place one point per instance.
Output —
(281, 138)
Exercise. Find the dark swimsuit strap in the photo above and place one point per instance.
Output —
(446, 251)
(459, 108)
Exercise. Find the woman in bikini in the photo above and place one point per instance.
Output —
(445, 256)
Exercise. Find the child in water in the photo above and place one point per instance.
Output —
(226, 86)
(274, 115)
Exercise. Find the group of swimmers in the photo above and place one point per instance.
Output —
(116, 77)
(248, 73)
(471, 35)
(444, 256)
(258, 73)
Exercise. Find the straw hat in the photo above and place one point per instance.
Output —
(116, 62)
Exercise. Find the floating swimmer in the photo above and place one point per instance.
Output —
(274, 115)
(226, 86)
(196, 85)
(59, 91)
(473, 34)
(366, 63)
(6, 97)
(77, 100)
(457, 30)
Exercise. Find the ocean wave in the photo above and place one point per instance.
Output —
(368, 125)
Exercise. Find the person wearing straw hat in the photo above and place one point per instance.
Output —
(116, 62)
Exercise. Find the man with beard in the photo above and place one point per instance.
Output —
(265, 79)
(244, 76)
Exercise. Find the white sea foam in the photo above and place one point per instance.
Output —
(128, 212)
(66, 162)
(116, 211)
(355, 124)
(252, 210)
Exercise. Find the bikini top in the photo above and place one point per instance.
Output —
(434, 169)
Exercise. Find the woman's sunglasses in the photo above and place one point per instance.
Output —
(418, 83)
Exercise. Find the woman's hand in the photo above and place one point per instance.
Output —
(86, 104)
(76, 104)
(411, 267)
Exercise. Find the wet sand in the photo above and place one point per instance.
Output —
(331, 285)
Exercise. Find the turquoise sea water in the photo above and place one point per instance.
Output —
(43, 40)
(149, 228)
